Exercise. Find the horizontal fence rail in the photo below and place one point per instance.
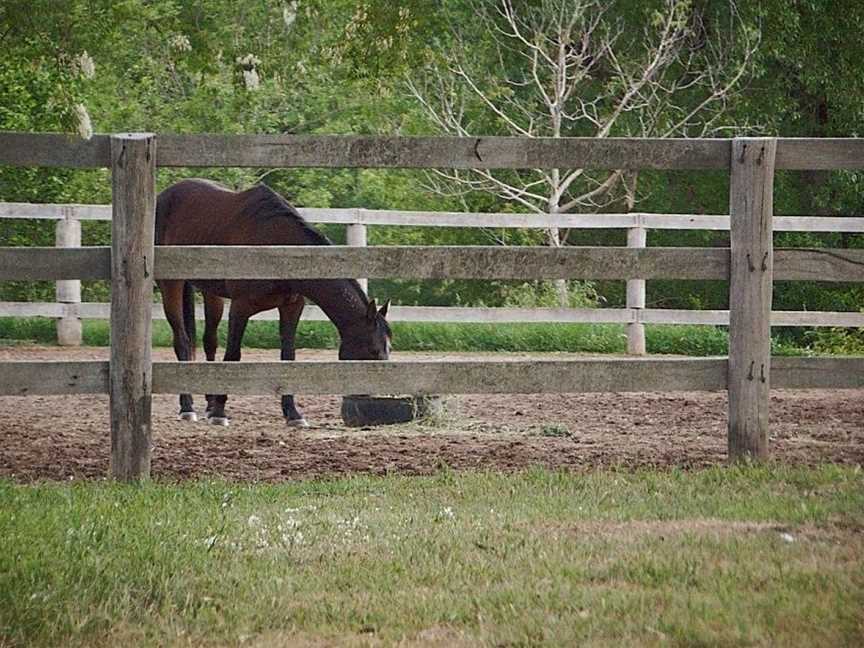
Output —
(359, 216)
(431, 377)
(429, 262)
(330, 151)
(456, 314)
(35, 263)
(442, 262)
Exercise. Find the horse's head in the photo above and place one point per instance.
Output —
(369, 339)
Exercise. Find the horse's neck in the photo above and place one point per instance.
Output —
(342, 300)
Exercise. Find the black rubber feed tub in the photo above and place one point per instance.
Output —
(363, 411)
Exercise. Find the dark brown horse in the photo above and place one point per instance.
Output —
(200, 212)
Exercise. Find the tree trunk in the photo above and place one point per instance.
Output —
(561, 289)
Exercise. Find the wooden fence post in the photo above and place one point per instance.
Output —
(355, 235)
(751, 211)
(68, 291)
(636, 238)
(133, 185)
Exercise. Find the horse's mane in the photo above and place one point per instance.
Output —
(265, 203)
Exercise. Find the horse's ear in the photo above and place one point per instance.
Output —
(371, 310)
(384, 309)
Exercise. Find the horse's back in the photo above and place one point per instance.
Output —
(202, 212)
(194, 212)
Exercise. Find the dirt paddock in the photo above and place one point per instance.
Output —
(66, 437)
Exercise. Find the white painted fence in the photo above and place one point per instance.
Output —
(69, 310)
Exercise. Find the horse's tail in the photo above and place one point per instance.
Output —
(163, 212)
(189, 314)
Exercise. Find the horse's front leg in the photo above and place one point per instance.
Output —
(184, 343)
(289, 315)
(238, 316)
(214, 307)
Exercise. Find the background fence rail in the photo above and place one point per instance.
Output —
(69, 310)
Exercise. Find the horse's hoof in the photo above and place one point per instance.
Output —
(187, 416)
(301, 422)
(218, 420)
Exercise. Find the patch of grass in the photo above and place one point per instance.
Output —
(424, 336)
(28, 329)
(687, 340)
(766, 555)
(554, 430)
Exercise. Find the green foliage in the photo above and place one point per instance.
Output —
(340, 66)
(544, 294)
(836, 341)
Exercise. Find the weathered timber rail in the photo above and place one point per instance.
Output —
(751, 265)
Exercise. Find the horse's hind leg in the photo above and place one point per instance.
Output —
(213, 309)
(238, 316)
(289, 315)
(184, 349)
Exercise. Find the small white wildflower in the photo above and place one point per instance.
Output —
(180, 43)
(251, 79)
(85, 126)
(447, 512)
(248, 62)
(292, 538)
(253, 521)
(289, 14)
(85, 65)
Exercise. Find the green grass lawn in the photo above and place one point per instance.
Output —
(727, 556)
(421, 336)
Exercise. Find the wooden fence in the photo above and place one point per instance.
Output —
(131, 263)
(68, 309)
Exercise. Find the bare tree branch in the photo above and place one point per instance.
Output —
(572, 67)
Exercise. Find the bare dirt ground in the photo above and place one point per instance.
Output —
(66, 437)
